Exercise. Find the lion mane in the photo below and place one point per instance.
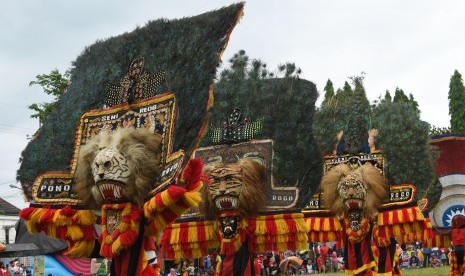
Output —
(252, 198)
(371, 177)
(140, 147)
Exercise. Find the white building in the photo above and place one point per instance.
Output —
(9, 216)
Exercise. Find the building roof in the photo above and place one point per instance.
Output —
(8, 209)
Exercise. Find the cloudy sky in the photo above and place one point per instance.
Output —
(414, 45)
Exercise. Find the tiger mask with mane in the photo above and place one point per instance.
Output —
(238, 187)
(119, 166)
(346, 189)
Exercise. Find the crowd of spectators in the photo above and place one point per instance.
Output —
(415, 256)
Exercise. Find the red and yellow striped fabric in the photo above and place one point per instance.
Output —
(188, 239)
(165, 207)
(406, 224)
(323, 229)
(74, 226)
(278, 232)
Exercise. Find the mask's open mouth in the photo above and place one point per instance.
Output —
(353, 203)
(226, 202)
(111, 190)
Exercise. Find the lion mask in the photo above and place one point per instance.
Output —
(119, 166)
(347, 189)
(236, 187)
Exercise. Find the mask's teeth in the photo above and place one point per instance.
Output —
(117, 191)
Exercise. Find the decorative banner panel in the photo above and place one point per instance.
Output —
(398, 195)
(260, 151)
(156, 114)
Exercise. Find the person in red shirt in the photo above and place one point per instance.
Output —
(320, 264)
(457, 264)
(324, 249)
(257, 263)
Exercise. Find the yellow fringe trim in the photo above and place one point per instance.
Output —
(360, 269)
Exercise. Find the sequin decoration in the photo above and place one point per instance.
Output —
(235, 129)
(135, 86)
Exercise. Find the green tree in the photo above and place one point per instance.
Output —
(278, 107)
(54, 84)
(329, 92)
(387, 96)
(356, 133)
(400, 97)
(404, 140)
(347, 89)
(457, 103)
(413, 103)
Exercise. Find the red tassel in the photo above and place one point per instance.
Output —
(193, 173)
(128, 238)
(47, 217)
(176, 192)
(62, 231)
(67, 211)
(27, 212)
(105, 251)
(89, 232)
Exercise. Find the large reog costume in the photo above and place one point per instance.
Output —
(124, 141)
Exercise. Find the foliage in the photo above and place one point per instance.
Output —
(435, 131)
(347, 107)
(186, 49)
(356, 133)
(285, 105)
(387, 96)
(347, 90)
(399, 96)
(404, 138)
(457, 103)
(329, 92)
(54, 84)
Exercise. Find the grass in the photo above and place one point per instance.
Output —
(438, 271)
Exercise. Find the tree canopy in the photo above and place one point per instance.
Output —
(284, 105)
(402, 136)
(54, 84)
(457, 103)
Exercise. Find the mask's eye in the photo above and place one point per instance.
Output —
(228, 178)
(96, 164)
(107, 164)
(232, 220)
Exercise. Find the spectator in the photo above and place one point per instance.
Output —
(3, 270)
(320, 264)
(458, 242)
(399, 250)
(94, 266)
(414, 261)
(443, 257)
(434, 261)
(22, 270)
(266, 264)
(334, 262)
(341, 262)
(172, 272)
(207, 262)
(184, 271)
(426, 256)
(191, 269)
(324, 249)
(257, 263)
